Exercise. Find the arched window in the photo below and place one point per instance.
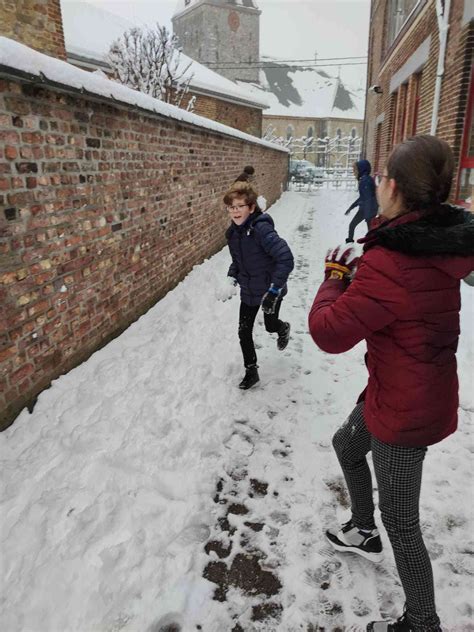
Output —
(339, 132)
(310, 132)
(353, 132)
(289, 132)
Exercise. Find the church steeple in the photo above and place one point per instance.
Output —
(221, 34)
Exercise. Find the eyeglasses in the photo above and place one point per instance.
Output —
(378, 179)
(236, 207)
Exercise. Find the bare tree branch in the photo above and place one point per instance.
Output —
(149, 60)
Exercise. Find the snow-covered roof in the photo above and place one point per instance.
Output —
(205, 79)
(18, 57)
(90, 30)
(306, 92)
(182, 5)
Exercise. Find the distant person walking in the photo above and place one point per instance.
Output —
(367, 201)
(261, 264)
(247, 175)
(404, 300)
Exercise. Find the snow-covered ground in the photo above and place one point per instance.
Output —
(139, 459)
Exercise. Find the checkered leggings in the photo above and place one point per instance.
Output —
(398, 471)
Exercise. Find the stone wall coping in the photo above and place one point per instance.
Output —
(20, 61)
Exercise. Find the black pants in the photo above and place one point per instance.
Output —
(398, 472)
(247, 316)
(356, 220)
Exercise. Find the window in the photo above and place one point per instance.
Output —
(399, 114)
(393, 118)
(310, 132)
(398, 13)
(403, 95)
(416, 82)
(289, 132)
(466, 165)
(353, 132)
(378, 143)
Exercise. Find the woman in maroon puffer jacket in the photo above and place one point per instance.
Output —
(404, 301)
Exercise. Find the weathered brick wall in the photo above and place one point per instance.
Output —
(246, 119)
(103, 209)
(384, 64)
(36, 23)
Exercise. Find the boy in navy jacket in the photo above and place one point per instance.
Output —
(367, 201)
(261, 264)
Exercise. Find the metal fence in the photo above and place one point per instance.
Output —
(328, 160)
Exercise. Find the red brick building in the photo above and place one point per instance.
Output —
(420, 86)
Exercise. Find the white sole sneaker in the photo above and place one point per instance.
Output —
(346, 548)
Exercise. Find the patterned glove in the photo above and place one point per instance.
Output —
(270, 299)
(340, 266)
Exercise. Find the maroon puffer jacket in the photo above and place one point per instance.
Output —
(404, 301)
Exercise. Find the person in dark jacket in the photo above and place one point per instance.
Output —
(247, 175)
(404, 300)
(367, 201)
(261, 264)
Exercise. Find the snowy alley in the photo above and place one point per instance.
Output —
(147, 493)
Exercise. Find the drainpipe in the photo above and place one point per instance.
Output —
(443, 26)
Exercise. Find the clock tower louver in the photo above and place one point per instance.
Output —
(221, 34)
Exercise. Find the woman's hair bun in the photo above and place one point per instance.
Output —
(422, 167)
(249, 170)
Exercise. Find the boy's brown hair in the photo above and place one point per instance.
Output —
(241, 190)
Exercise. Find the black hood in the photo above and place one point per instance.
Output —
(447, 231)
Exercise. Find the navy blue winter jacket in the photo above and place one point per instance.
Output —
(259, 257)
(367, 202)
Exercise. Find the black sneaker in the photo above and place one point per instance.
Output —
(349, 241)
(284, 337)
(349, 538)
(250, 377)
(402, 624)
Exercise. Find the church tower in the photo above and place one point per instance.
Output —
(222, 35)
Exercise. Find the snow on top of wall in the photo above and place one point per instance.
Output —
(89, 31)
(182, 5)
(306, 92)
(21, 58)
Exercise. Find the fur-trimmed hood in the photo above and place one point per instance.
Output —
(447, 234)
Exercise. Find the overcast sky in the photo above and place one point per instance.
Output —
(289, 29)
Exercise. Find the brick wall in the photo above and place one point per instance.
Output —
(36, 23)
(383, 64)
(246, 119)
(103, 209)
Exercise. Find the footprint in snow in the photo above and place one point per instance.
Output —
(171, 622)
